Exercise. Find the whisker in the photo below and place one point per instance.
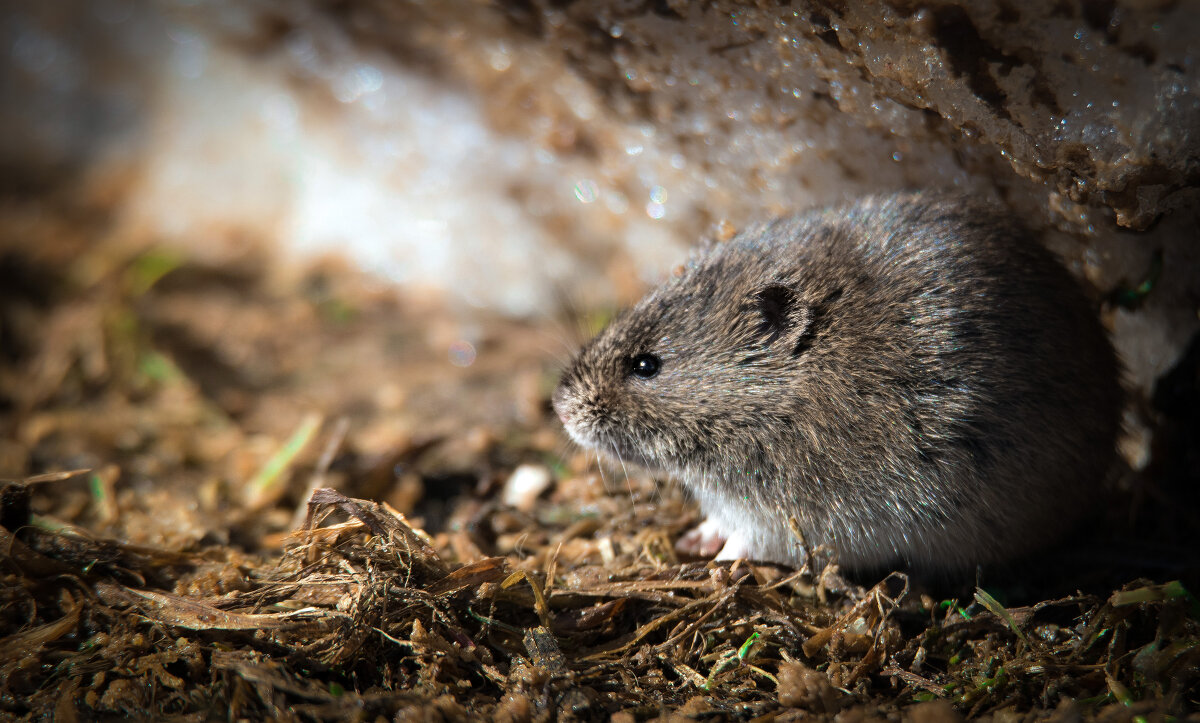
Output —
(600, 467)
(628, 482)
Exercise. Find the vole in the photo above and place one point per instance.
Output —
(909, 379)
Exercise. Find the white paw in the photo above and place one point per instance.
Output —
(735, 549)
(704, 540)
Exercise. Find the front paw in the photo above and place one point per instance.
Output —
(735, 548)
(704, 540)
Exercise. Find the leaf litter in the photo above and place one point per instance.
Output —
(236, 491)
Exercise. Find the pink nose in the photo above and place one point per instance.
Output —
(561, 409)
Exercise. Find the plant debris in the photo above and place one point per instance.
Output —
(236, 491)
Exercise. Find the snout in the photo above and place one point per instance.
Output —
(574, 404)
(561, 404)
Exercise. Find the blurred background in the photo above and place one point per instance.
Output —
(511, 155)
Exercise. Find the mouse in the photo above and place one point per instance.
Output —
(906, 380)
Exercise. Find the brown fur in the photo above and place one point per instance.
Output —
(913, 378)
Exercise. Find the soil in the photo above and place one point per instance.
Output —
(237, 490)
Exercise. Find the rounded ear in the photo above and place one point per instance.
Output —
(782, 314)
(786, 319)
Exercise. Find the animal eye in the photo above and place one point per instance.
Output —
(644, 365)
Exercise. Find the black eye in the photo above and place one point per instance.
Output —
(644, 365)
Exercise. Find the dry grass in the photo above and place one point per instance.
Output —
(220, 556)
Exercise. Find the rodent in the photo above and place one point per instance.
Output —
(912, 378)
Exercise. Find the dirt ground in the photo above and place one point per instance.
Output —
(237, 491)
